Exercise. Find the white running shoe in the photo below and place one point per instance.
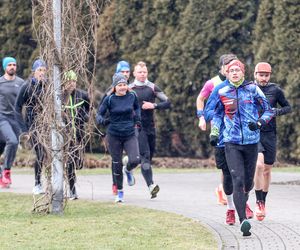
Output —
(38, 189)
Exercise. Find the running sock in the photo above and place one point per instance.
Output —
(259, 195)
(230, 203)
(264, 196)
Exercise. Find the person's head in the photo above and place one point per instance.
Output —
(69, 80)
(9, 65)
(262, 73)
(39, 69)
(224, 61)
(140, 72)
(236, 71)
(119, 84)
(124, 68)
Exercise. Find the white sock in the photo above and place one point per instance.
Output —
(230, 204)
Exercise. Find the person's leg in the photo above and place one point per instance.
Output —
(131, 147)
(11, 139)
(270, 157)
(220, 162)
(235, 161)
(145, 153)
(227, 184)
(38, 164)
(115, 146)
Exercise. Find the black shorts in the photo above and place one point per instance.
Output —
(220, 157)
(267, 146)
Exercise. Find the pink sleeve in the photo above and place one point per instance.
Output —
(207, 89)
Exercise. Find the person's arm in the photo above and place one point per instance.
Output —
(86, 107)
(216, 122)
(137, 110)
(164, 102)
(267, 112)
(284, 104)
(20, 101)
(102, 109)
(203, 95)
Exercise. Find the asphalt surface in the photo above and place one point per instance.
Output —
(192, 195)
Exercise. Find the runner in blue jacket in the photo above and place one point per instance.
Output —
(237, 105)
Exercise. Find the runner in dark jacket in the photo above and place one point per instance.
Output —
(267, 144)
(76, 107)
(147, 93)
(10, 85)
(123, 120)
(31, 97)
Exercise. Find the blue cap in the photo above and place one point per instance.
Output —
(122, 66)
(7, 60)
(38, 63)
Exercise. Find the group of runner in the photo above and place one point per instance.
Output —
(22, 105)
(242, 115)
(243, 130)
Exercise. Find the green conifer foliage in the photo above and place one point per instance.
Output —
(277, 37)
(15, 32)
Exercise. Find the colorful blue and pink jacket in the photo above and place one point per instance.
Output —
(237, 106)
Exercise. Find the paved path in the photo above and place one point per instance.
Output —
(192, 195)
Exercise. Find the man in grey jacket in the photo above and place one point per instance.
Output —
(9, 127)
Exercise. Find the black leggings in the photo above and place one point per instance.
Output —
(40, 156)
(222, 164)
(147, 148)
(116, 145)
(241, 160)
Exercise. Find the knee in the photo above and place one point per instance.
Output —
(146, 165)
(260, 166)
(267, 171)
(135, 161)
(238, 182)
(13, 142)
(248, 186)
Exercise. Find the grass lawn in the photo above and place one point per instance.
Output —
(95, 225)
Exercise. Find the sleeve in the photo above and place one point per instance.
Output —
(211, 105)
(207, 89)
(268, 113)
(86, 107)
(217, 117)
(20, 101)
(284, 104)
(137, 109)
(102, 109)
(164, 101)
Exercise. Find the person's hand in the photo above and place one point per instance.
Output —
(214, 136)
(148, 105)
(138, 126)
(213, 140)
(24, 137)
(202, 123)
(105, 122)
(256, 125)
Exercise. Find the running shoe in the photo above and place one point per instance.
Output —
(230, 217)
(220, 197)
(6, 176)
(129, 175)
(3, 185)
(154, 189)
(114, 189)
(73, 195)
(119, 196)
(38, 189)
(260, 210)
(249, 212)
(245, 228)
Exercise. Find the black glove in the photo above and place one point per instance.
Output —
(213, 140)
(138, 126)
(256, 125)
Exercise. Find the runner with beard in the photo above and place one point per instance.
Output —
(10, 85)
(267, 143)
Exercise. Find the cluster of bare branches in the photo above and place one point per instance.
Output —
(78, 52)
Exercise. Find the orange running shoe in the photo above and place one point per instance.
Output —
(230, 217)
(260, 210)
(220, 197)
(249, 212)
